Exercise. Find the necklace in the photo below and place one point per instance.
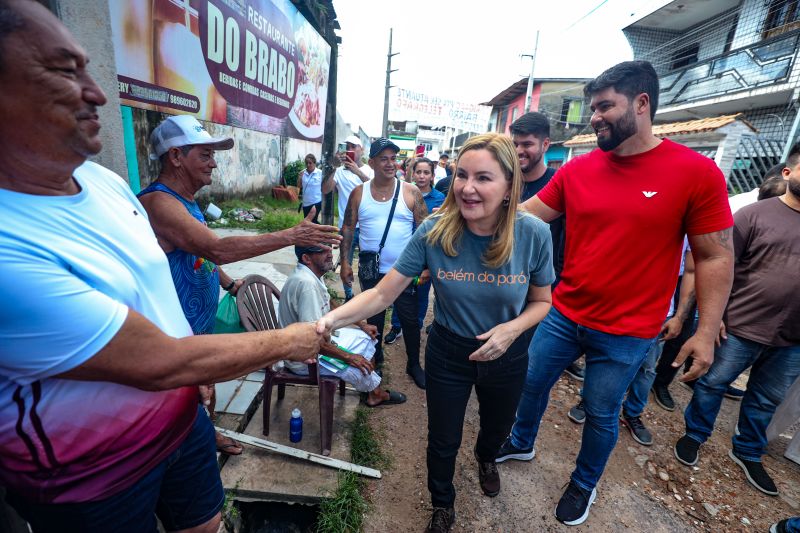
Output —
(383, 195)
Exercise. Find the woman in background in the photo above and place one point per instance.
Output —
(311, 187)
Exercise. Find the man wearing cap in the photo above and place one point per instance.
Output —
(305, 298)
(346, 178)
(99, 371)
(186, 152)
(369, 206)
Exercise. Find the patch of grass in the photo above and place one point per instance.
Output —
(345, 511)
(278, 214)
(231, 515)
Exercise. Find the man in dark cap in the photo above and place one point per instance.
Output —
(387, 210)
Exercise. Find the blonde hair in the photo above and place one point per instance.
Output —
(450, 224)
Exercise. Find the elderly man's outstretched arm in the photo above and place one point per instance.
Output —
(163, 362)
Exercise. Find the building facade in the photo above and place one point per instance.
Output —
(561, 100)
(724, 57)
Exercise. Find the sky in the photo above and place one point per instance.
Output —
(470, 51)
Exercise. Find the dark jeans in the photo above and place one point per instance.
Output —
(450, 376)
(423, 293)
(405, 306)
(772, 372)
(307, 210)
(665, 372)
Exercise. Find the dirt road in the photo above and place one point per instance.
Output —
(643, 488)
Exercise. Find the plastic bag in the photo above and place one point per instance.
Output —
(228, 316)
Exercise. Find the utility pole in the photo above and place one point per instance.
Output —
(385, 124)
(529, 93)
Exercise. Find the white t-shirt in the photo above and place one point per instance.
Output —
(346, 181)
(738, 201)
(312, 190)
(438, 173)
(72, 268)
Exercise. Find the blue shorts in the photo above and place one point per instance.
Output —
(184, 490)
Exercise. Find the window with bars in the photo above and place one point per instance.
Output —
(571, 111)
(685, 56)
(783, 16)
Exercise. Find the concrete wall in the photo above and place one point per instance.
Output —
(253, 166)
(88, 22)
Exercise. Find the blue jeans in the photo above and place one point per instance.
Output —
(423, 291)
(773, 372)
(348, 289)
(611, 364)
(639, 388)
(793, 525)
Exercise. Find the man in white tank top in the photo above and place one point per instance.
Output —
(369, 207)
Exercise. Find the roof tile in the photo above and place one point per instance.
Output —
(674, 128)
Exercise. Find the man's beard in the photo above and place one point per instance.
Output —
(794, 187)
(531, 163)
(619, 131)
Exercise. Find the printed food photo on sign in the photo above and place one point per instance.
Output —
(312, 82)
(256, 64)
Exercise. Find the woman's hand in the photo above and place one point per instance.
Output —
(325, 325)
(498, 339)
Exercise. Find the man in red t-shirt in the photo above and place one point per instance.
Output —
(628, 206)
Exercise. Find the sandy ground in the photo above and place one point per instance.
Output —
(643, 488)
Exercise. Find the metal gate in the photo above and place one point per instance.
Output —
(754, 157)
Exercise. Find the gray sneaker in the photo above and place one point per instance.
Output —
(578, 413)
(638, 431)
(393, 335)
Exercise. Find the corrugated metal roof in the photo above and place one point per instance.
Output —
(674, 128)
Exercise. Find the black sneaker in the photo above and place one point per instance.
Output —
(442, 520)
(575, 371)
(573, 507)
(509, 451)
(780, 527)
(418, 375)
(688, 385)
(662, 397)
(578, 413)
(756, 474)
(488, 476)
(637, 428)
(393, 335)
(686, 450)
(734, 394)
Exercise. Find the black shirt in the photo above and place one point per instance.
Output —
(444, 185)
(557, 226)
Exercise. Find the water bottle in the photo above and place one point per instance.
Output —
(296, 426)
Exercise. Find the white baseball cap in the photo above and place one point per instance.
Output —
(352, 139)
(184, 130)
